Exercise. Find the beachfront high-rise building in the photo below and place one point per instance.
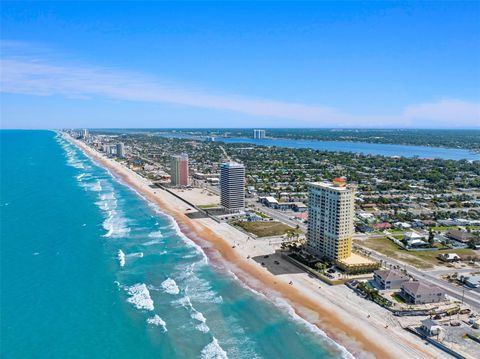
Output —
(84, 134)
(120, 150)
(179, 170)
(259, 134)
(331, 208)
(232, 185)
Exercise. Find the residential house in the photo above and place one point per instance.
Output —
(389, 279)
(420, 293)
(460, 236)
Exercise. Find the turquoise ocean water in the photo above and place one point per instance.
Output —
(68, 292)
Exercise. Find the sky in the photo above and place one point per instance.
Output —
(240, 64)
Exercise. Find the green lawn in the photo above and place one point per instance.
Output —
(443, 228)
(398, 298)
(261, 214)
(419, 259)
(206, 206)
(265, 229)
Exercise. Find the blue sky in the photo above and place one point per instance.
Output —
(240, 64)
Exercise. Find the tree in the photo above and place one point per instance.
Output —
(431, 237)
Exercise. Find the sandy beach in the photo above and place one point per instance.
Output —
(362, 327)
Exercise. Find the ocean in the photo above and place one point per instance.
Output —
(90, 269)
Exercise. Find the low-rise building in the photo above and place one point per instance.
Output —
(389, 279)
(471, 281)
(415, 239)
(449, 257)
(381, 226)
(461, 236)
(430, 327)
(420, 293)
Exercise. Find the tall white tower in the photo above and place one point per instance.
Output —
(232, 185)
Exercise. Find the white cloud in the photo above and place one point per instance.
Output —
(447, 112)
(29, 75)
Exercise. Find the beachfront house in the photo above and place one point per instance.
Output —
(420, 293)
(389, 279)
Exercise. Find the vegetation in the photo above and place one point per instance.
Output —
(439, 138)
(206, 206)
(265, 229)
(372, 294)
(419, 259)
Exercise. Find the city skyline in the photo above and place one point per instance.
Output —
(317, 65)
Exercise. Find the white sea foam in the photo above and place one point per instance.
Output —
(197, 288)
(156, 234)
(115, 225)
(136, 254)
(194, 314)
(176, 228)
(198, 316)
(202, 327)
(170, 286)
(159, 322)
(313, 328)
(213, 350)
(97, 186)
(140, 296)
(121, 258)
(151, 243)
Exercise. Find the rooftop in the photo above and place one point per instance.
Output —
(387, 275)
(332, 186)
(356, 259)
(232, 165)
(420, 288)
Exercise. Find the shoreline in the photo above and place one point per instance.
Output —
(343, 322)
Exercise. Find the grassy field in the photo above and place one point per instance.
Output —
(419, 259)
(206, 206)
(265, 229)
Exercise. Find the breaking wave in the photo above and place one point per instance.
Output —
(121, 258)
(170, 286)
(140, 296)
(213, 350)
(159, 322)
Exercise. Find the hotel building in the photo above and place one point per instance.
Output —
(179, 170)
(330, 219)
(232, 185)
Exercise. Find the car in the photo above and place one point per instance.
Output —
(331, 270)
(266, 256)
(276, 262)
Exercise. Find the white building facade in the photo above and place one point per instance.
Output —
(232, 185)
(259, 134)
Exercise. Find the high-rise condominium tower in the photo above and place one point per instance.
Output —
(120, 150)
(259, 134)
(179, 170)
(232, 185)
(330, 219)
